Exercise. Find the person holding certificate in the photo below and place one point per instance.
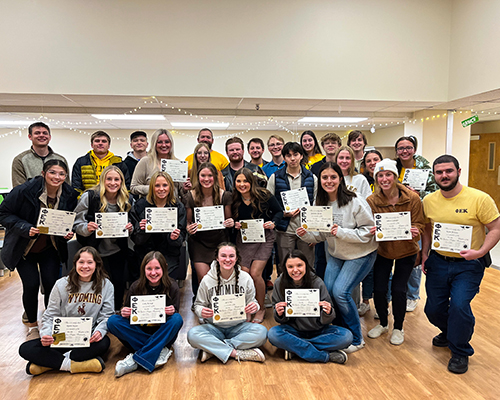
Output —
(34, 254)
(151, 343)
(351, 249)
(233, 338)
(392, 197)
(109, 196)
(406, 158)
(354, 182)
(203, 243)
(169, 242)
(162, 147)
(201, 155)
(85, 293)
(311, 148)
(250, 201)
(313, 339)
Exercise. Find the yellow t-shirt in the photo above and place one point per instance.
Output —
(470, 207)
(314, 159)
(402, 174)
(216, 159)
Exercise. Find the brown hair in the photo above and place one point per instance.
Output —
(151, 193)
(258, 194)
(97, 134)
(194, 169)
(234, 140)
(165, 282)
(198, 194)
(236, 265)
(352, 170)
(98, 276)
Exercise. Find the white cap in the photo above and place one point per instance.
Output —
(386, 165)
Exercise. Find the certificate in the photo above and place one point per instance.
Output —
(55, 222)
(177, 169)
(252, 231)
(163, 219)
(316, 218)
(71, 331)
(451, 237)
(293, 199)
(302, 303)
(209, 218)
(416, 178)
(338, 219)
(393, 226)
(229, 307)
(148, 309)
(111, 225)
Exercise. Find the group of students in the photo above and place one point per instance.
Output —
(222, 263)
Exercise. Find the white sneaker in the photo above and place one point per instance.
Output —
(354, 347)
(164, 356)
(288, 355)
(398, 337)
(363, 309)
(411, 305)
(377, 331)
(250, 355)
(205, 355)
(267, 301)
(125, 366)
(33, 333)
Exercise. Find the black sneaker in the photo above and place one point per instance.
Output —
(440, 340)
(458, 364)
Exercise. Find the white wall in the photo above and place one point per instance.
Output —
(364, 49)
(475, 48)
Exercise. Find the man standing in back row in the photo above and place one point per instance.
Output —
(29, 163)
(217, 159)
(453, 279)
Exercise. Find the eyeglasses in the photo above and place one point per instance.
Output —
(407, 148)
(54, 173)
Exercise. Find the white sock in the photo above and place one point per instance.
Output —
(31, 328)
(66, 364)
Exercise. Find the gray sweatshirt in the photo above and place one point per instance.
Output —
(304, 323)
(209, 288)
(85, 303)
(353, 238)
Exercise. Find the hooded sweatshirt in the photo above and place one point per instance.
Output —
(209, 288)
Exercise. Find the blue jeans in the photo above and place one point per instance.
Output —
(451, 286)
(222, 341)
(413, 289)
(320, 259)
(341, 276)
(313, 346)
(147, 346)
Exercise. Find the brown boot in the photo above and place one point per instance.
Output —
(33, 369)
(94, 365)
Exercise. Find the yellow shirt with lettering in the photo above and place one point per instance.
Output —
(470, 207)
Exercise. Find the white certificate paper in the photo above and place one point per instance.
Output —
(111, 225)
(55, 222)
(71, 331)
(416, 178)
(228, 307)
(163, 219)
(293, 199)
(452, 238)
(338, 218)
(252, 231)
(209, 218)
(393, 226)
(177, 169)
(302, 303)
(316, 218)
(148, 309)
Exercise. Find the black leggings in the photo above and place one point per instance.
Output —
(381, 272)
(50, 267)
(46, 356)
(116, 267)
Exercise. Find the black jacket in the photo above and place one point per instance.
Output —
(19, 212)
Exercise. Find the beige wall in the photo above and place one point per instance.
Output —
(364, 49)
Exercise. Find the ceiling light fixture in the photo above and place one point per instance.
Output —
(200, 125)
(130, 117)
(331, 120)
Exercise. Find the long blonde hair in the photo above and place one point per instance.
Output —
(151, 193)
(152, 153)
(352, 170)
(194, 170)
(122, 199)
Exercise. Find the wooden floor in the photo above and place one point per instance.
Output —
(414, 370)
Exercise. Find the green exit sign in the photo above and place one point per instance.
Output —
(470, 121)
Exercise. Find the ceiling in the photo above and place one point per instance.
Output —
(74, 111)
